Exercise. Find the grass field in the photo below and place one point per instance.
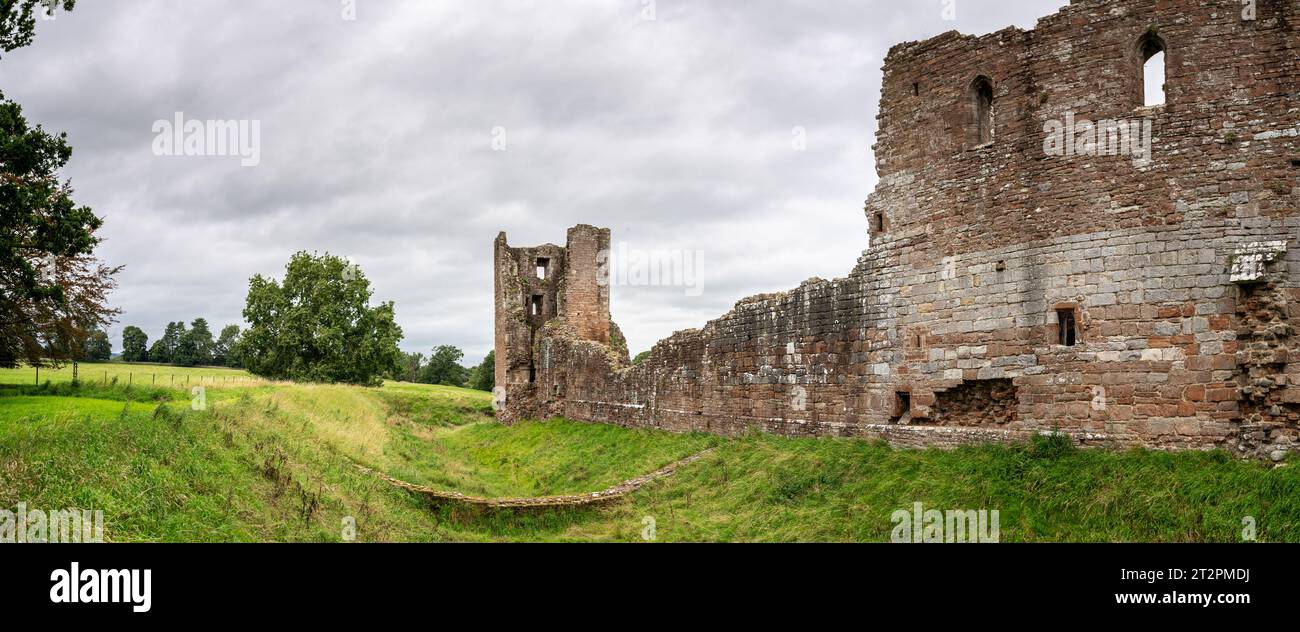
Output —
(275, 462)
(129, 373)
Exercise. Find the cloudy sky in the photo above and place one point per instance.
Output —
(406, 138)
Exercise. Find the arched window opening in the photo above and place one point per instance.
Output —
(1152, 49)
(982, 108)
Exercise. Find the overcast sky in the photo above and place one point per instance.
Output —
(377, 142)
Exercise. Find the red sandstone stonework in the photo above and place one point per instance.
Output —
(1180, 274)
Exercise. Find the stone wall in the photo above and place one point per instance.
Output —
(1175, 263)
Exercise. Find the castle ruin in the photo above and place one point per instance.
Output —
(1045, 254)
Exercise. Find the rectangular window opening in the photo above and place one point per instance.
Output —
(902, 408)
(542, 266)
(1067, 327)
(536, 305)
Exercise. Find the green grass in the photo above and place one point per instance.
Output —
(131, 373)
(165, 473)
(769, 488)
(445, 437)
(535, 458)
(276, 462)
(111, 392)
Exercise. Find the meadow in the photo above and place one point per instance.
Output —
(137, 374)
(264, 461)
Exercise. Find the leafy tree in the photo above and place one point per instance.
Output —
(135, 344)
(165, 349)
(195, 346)
(444, 367)
(226, 349)
(409, 371)
(317, 325)
(18, 19)
(640, 357)
(484, 376)
(158, 353)
(235, 357)
(53, 292)
(98, 348)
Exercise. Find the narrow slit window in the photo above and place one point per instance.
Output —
(982, 109)
(536, 306)
(1067, 327)
(1152, 49)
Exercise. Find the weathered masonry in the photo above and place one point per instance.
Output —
(1047, 253)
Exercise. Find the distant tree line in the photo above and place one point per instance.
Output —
(180, 346)
(443, 367)
(316, 324)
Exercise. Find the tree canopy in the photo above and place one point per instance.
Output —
(97, 348)
(195, 346)
(135, 344)
(444, 367)
(484, 376)
(166, 348)
(18, 19)
(53, 292)
(317, 325)
(226, 350)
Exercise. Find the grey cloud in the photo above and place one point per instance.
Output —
(376, 141)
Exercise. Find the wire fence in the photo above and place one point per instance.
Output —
(152, 378)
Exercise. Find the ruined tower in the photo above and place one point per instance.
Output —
(541, 292)
(1047, 253)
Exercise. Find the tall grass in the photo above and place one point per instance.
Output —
(162, 472)
(276, 462)
(113, 392)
